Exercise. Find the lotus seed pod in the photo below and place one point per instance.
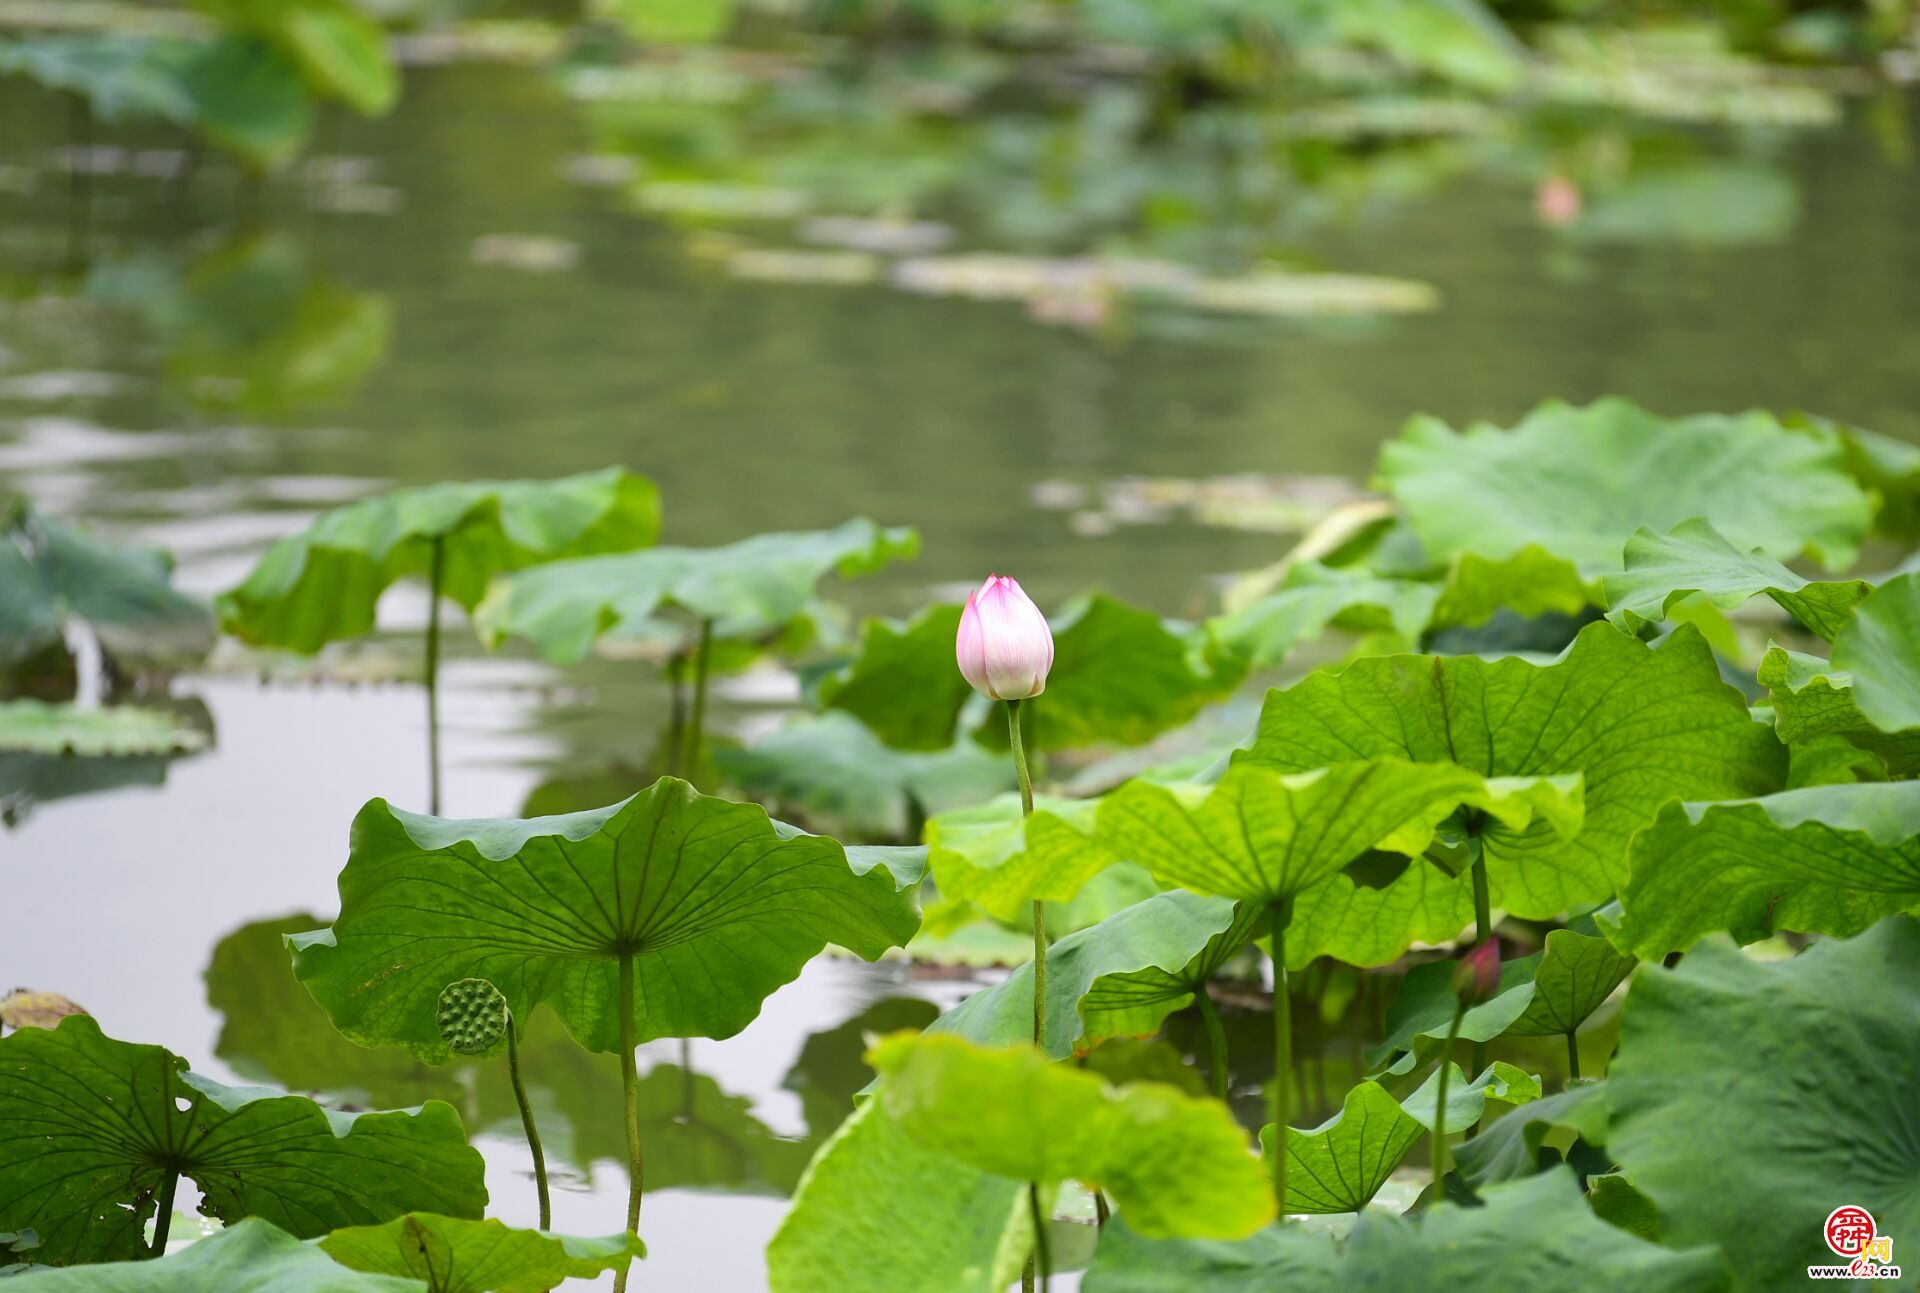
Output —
(472, 1016)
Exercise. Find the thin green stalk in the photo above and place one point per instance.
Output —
(526, 1122)
(690, 761)
(163, 1217)
(630, 1081)
(434, 572)
(1041, 1260)
(1573, 1055)
(1440, 1107)
(1482, 930)
(1039, 908)
(676, 713)
(1280, 914)
(1216, 1041)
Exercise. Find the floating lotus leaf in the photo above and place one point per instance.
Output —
(748, 589)
(322, 584)
(1577, 482)
(715, 905)
(451, 1255)
(1639, 724)
(1748, 1100)
(1694, 558)
(100, 1127)
(118, 731)
(1823, 859)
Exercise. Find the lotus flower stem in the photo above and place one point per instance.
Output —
(434, 570)
(163, 1214)
(526, 1123)
(630, 1082)
(1039, 908)
(1041, 1261)
(1440, 1106)
(690, 762)
(1482, 927)
(1281, 914)
(1216, 1041)
(1573, 1055)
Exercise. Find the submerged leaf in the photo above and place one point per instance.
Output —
(1172, 1164)
(715, 905)
(1694, 557)
(747, 589)
(457, 1256)
(1823, 859)
(1748, 1100)
(322, 584)
(99, 1125)
(1578, 481)
(1639, 724)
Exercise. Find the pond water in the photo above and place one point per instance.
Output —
(201, 363)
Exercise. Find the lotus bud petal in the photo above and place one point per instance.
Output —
(1477, 978)
(1004, 648)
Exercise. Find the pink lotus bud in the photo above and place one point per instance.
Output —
(1557, 201)
(1004, 647)
(1477, 978)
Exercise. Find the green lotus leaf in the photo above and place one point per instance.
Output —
(248, 98)
(747, 589)
(1879, 649)
(1309, 599)
(99, 1127)
(1120, 676)
(1694, 558)
(322, 584)
(1172, 1164)
(250, 1256)
(1537, 1234)
(902, 681)
(1340, 1165)
(697, 1135)
(1619, 1203)
(830, 770)
(1888, 469)
(452, 1255)
(1576, 975)
(1561, 1128)
(52, 572)
(1422, 1011)
(1577, 482)
(342, 53)
(1824, 859)
(1374, 910)
(1529, 583)
(712, 904)
(1819, 1056)
(877, 1212)
(1258, 835)
(1119, 978)
(118, 731)
(1640, 724)
(992, 856)
(1812, 700)
(120, 76)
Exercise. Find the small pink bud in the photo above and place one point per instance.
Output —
(1557, 201)
(1004, 647)
(1477, 978)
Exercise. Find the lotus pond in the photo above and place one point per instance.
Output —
(1472, 483)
